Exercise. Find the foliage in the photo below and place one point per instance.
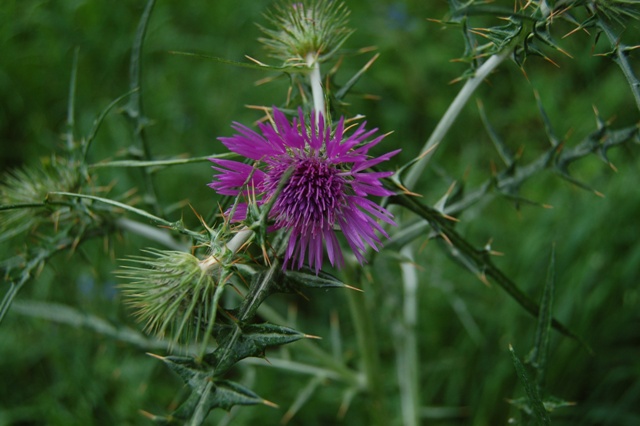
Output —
(420, 342)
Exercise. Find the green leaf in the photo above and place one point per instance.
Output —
(534, 401)
(538, 355)
(250, 340)
(206, 393)
(306, 277)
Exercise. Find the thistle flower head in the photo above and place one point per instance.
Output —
(314, 28)
(172, 292)
(30, 186)
(315, 179)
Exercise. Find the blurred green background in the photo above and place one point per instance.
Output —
(58, 374)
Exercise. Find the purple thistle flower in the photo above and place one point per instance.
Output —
(327, 189)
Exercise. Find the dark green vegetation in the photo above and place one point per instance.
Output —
(56, 369)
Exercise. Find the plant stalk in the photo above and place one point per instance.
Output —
(315, 79)
(452, 113)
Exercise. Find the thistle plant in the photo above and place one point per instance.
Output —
(327, 186)
(311, 197)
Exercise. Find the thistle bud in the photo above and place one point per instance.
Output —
(30, 187)
(315, 28)
(172, 292)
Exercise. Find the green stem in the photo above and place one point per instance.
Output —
(452, 113)
(159, 163)
(173, 225)
(152, 233)
(362, 317)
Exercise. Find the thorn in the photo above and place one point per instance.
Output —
(371, 61)
(435, 145)
(148, 414)
(482, 277)
(354, 288)
(451, 187)
(494, 169)
(578, 28)
(598, 193)
(311, 336)
(495, 253)
(367, 49)
(423, 246)
(265, 80)
(444, 237)
(270, 404)
(547, 206)
(161, 358)
(255, 61)
(371, 97)
(335, 68)
(546, 58)
(451, 218)
(613, 167)
(406, 191)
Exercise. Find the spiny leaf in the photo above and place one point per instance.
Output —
(305, 277)
(206, 393)
(538, 356)
(535, 403)
(250, 340)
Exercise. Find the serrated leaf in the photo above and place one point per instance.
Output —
(228, 393)
(206, 393)
(251, 340)
(306, 277)
(185, 367)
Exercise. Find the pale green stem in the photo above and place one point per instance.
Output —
(233, 246)
(315, 79)
(239, 239)
(452, 113)
(152, 233)
(407, 345)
